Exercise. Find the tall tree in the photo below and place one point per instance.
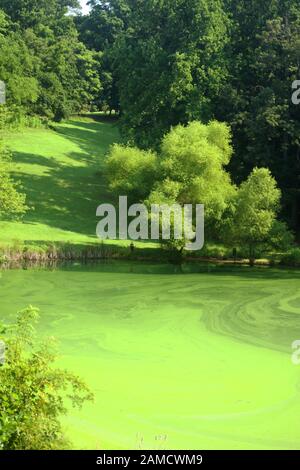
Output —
(264, 57)
(256, 206)
(99, 31)
(169, 65)
(57, 72)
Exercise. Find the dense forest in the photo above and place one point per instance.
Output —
(160, 63)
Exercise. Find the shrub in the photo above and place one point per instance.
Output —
(33, 393)
(292, 258)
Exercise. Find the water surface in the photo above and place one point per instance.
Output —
(196, 357)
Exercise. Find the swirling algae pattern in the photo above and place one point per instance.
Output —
(180, 357)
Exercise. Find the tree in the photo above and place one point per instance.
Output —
(256, 206)
(31, 14)
(263, 56)
(189, 169)
(131, 171)
(16, 67)
(67, 72)
(192, 171)
(47, 70)
(99, 31)
(193, 160)
(12, 202)
(168, 63)
(33, 393)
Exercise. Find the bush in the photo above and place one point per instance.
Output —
(292, 258)
(32, 392)
(280, 237)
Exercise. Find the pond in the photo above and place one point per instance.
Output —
(190, 357)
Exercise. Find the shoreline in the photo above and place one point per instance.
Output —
(48, 255)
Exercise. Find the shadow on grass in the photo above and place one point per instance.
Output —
(93, 138)
(66, 196)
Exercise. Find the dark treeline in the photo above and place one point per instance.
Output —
(161, 63)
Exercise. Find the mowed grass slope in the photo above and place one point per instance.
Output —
(62, 174)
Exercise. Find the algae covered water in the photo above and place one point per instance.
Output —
(191, 357)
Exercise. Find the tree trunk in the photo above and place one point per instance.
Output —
(251, 255)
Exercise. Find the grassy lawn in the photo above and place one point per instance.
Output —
(62, 174)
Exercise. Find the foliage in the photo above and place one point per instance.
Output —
(193, 158)
(169, 65)
(255, 207)
(163, 64)
(98, 31)
(131, 171)
(192, 170)
(280, 237)
(292, 258)
(189, 169)
(47, 70)
(36, 12)
(33, 392)
(16, 66)
(264, 54)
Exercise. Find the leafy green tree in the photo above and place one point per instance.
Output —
(189, 169)
(99, 31)
(256, 206)
(102, 26)
(47, 70)
(192, 165)
(277, 119)
(168, 63)
(67, 73)
(16, 67)
(263, 56)
(12, 202)
(33, 392)
(193, 161)
(280, 237)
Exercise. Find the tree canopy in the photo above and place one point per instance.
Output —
(48, 72)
